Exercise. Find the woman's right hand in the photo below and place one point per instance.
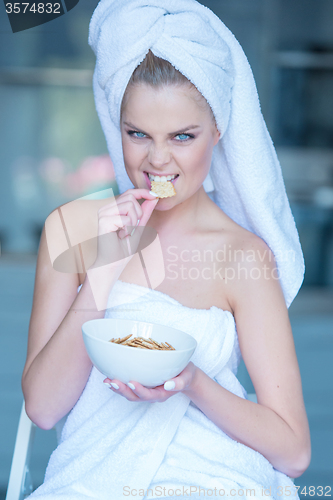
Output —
(123, 213)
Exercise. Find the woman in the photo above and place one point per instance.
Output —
(204, 434)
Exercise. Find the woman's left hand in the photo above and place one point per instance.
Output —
(137, 392)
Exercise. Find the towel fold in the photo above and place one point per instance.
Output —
(245, 178)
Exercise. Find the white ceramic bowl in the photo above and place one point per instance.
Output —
(146, 366)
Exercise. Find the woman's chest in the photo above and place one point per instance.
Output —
(191, 272)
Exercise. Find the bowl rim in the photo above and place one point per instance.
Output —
(129, 347)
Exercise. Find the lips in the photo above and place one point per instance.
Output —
(149, 183)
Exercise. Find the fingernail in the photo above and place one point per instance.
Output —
(131, 386)
(169, 385)
(107, 383)
(153, 194)
(115, 386)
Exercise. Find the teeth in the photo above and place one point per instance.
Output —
(161, 178)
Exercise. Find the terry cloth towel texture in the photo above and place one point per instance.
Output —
(110, 446)
(245, 178)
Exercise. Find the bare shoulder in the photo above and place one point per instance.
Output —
(77, 219)
(243, 249)
(254, 271)
(241, 244)
(252, 250)
(74, 226)
(59, 269)
(54, 243)
(243, 262)
(251, 282)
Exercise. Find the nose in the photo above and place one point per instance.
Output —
(159, 155)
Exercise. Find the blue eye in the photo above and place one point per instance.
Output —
(133, 132)
(184, 137)
(141, 135)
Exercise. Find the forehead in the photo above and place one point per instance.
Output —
(174, 100)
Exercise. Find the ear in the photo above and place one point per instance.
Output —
(217, 136)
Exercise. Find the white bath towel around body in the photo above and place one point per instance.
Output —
(112, 449)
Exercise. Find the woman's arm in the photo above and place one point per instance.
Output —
(277, 427)
(57, 366)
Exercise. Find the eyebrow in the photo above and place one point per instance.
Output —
(191, 127)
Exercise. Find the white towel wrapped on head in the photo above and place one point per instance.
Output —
(245, 178)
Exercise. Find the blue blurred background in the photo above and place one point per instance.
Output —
(52, 150)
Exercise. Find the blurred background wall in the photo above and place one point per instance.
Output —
(53, 151)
